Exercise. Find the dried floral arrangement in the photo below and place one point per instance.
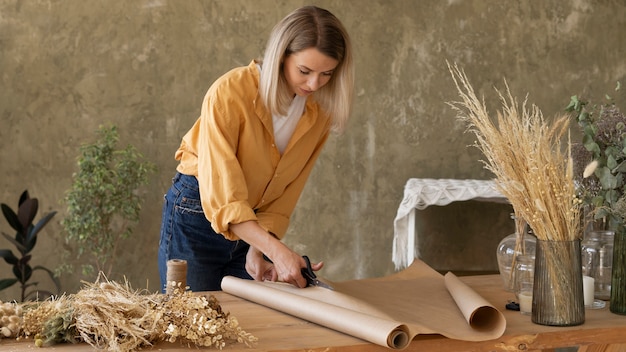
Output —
(600, 158)
(524, 152)
(535, 172)
(114, 317)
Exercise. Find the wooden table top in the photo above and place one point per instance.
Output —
(281, 332)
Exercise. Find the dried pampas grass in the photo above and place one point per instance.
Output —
(111, 316)
(525, 153)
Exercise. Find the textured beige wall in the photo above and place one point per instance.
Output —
(68, 66)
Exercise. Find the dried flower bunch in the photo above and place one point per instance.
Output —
(50, 322)
(527, 158)
(194, 319)
(10, 319)
(600, 159)
(111, 316)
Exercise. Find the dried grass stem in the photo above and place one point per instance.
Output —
(524, 152)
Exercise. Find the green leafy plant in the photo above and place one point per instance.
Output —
(24, 240)
(103, 203)
(600, 158)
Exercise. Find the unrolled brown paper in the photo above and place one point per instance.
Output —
(388, 311)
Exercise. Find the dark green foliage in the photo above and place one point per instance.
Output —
(24, 241)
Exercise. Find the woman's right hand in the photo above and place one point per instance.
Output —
(288, 265)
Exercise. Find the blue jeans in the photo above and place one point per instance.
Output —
(187, 234)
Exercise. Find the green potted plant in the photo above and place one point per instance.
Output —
(103, 203)
(24, 241)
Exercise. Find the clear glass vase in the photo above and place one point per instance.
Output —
(597, 261)
(603, 274)
(524, 274)
(521, 242)
(558, 288)
(590, 248)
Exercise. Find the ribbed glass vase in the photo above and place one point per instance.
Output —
(558, 289)
(618, 273)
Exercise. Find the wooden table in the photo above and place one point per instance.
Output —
(602, 331)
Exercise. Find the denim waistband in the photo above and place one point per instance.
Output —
(186, 180)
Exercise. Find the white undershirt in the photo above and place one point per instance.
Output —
(285, 125)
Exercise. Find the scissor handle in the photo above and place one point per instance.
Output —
(307, 272)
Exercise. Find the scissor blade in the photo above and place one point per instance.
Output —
(317, 282)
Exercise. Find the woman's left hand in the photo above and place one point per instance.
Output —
(259, 268)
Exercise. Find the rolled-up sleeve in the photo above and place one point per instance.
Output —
(223, 188)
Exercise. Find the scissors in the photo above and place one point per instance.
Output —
(311, 278)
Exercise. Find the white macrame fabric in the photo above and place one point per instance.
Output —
(419, 193)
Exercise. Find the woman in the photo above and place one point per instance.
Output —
(244, 163)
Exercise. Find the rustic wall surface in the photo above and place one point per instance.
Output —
(68, 66)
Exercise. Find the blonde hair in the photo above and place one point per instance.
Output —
(309, 27)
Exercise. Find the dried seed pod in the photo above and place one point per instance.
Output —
(5, 331)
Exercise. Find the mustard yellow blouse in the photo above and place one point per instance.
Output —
(231, 151)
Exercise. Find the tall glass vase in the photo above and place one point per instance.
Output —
(618, 274)
(558, 288)
(597, 260)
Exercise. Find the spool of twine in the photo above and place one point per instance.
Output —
(176, 276)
